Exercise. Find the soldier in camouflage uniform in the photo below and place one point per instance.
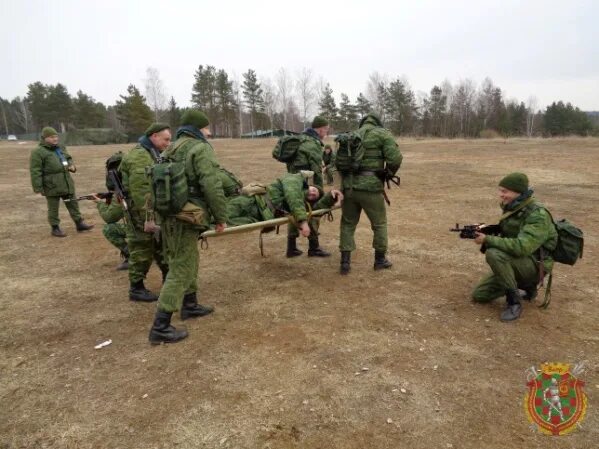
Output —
(179, 292)
(143, 247)
(328, 162)
(50, 168)
(528, 236)
(364, 190)
(114, 231)
(309, 157)
(288, 195)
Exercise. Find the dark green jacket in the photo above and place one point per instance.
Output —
(288, 194)
(136, 181)
(380, 151)
(524, 232)
(110, 213)
(48, 175)
(203, 175)
(309, 157)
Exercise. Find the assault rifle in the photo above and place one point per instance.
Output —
(120, 195)
(469, 231)
(101, 195)
(387, 177)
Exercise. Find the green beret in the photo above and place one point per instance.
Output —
(319, 122)
(195, 118)
(156, 128)
(48, 131)
(516, 182)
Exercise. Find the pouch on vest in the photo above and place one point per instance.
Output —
(286, 148)
(350, 152)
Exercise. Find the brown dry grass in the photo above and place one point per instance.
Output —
(280, 363)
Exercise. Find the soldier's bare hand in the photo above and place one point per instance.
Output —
(304, 229)
(337, 195)
(220, 227)
(72, 168)
(96, 198)
(479, 238)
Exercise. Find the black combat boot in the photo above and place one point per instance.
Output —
(530, 293)
(57, 232)
(380, 261)
(82, 226)
(345, 262)
(314, 249)
(124, 265)
(191, 308)
(163, 332)
(513, 309)
(292, 250)
(138, 292)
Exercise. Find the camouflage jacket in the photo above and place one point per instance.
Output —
(525, 231)
(136, 181)
(288, 194)
(380, 151)
(203, 175)
(309, 157)
(48, 174)
(110, 213)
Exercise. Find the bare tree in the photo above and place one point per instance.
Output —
(155, 91)
(531, 107)
(376, 88)
(238, 99)
(271, 99)
(284, 85)
(305, 87)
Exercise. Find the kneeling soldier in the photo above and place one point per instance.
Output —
(520, 255)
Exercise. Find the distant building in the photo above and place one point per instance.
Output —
(268, 133)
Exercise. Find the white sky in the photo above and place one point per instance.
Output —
(541, 48)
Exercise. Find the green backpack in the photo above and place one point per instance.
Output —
(350, 152)
(169, 186)
(286, 148)
(570, 243)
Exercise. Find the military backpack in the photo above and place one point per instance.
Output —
(350, 152)
(170, 192)
(286, 148)
(570, 242)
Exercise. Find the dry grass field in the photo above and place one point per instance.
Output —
(296, 356)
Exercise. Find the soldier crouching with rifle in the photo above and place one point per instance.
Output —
(519, 255)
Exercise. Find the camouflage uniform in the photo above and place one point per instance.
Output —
(328, 159)
(364, 190)
(181, 238)
(308, 157)
(143, 247)
(114, 231)
(287, 196)
(51, 178)
(513, 256)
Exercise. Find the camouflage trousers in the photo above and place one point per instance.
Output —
(508, 273)
(53, 205)
(329, 172)
(182, 255)
(116, 234)
(143, 249)
(373, 205)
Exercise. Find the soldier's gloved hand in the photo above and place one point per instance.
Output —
(304, 229)
(220, 227)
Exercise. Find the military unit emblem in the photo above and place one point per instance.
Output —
(555, 402)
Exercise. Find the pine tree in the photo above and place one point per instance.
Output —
(60, 106)
(347, 114)
(133, 112)
(363, 106)
(253, 95)
(87, 112)
(37, 96)
(226, 104)
(174, 115)
(328, 108)
(400, 107)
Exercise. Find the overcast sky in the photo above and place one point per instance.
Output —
(541, 48)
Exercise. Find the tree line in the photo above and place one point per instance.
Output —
(289, 101)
